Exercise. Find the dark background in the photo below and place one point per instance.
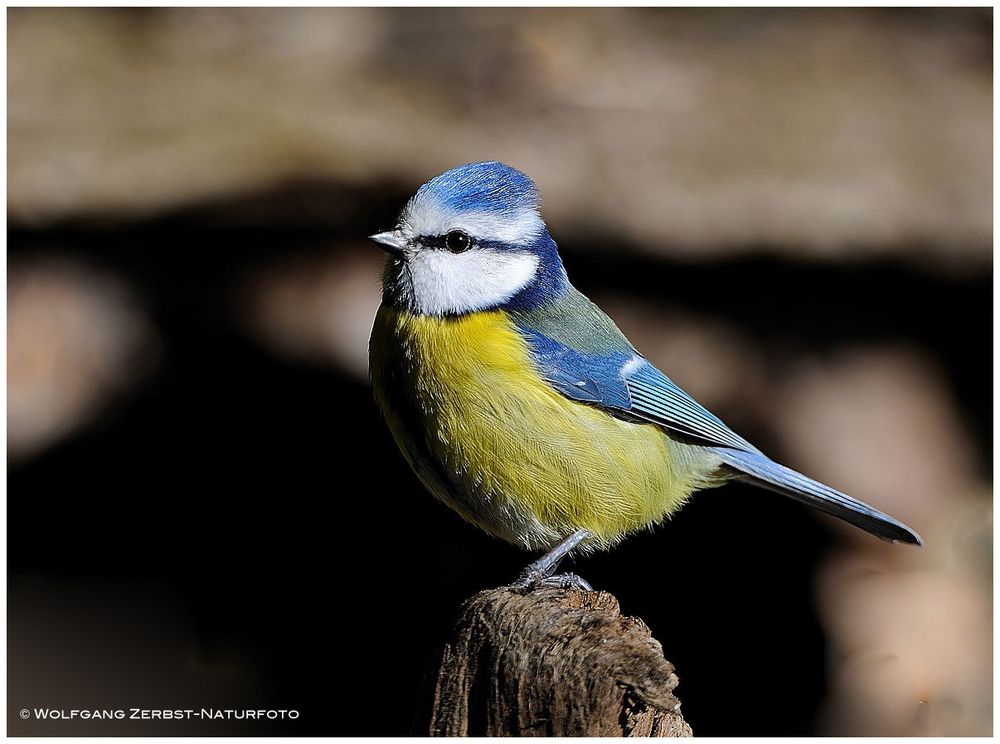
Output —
(232, 526)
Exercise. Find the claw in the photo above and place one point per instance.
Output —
(567, 581)
(531, 581)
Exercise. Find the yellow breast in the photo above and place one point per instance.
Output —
(489, 437)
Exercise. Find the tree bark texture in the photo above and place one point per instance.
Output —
(551, 662)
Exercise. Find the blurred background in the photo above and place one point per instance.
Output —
(789, 211)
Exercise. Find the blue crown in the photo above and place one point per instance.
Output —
(490, 187)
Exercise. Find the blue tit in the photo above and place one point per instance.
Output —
(522, 406)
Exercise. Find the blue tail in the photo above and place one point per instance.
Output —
(761, 471)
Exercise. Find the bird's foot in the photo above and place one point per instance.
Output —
(531, 580)
(543, 571)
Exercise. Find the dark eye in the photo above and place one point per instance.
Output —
(457, 241)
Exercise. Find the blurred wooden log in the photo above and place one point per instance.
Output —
(551, 662)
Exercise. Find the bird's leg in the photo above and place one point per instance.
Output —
(540, 573)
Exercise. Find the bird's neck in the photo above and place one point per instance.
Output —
(549, 283)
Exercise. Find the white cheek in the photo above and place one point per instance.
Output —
(441, 282)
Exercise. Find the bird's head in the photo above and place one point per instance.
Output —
(471, 239)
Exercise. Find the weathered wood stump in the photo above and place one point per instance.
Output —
(552, 662)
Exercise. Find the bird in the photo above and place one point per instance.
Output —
(521, 405)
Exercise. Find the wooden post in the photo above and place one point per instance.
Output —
(551, 662)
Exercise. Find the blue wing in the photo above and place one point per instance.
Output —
(622, 381)
(583, 355)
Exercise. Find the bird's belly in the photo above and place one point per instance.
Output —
(509, 453)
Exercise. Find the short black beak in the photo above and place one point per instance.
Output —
(391, 241)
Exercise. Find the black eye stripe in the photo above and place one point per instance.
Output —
(442, 242)
(433, 241)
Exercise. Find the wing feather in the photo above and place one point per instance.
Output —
(656, 397)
